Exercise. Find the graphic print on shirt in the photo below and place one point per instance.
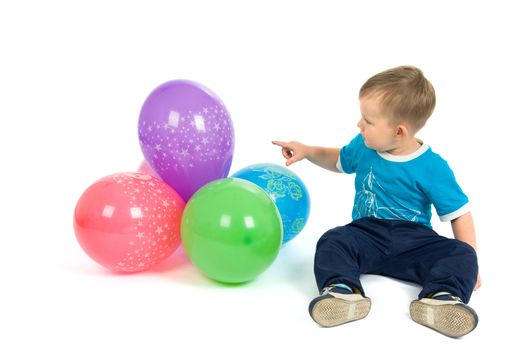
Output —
(367, 204)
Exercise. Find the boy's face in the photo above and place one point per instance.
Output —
(375, 127)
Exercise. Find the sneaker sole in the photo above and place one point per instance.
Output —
(331, 312)
(451, 320)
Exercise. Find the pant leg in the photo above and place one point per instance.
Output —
(437, 263)
(345, 252)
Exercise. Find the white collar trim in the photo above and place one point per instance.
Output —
(406, 157)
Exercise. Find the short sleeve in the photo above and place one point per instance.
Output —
(445, 193)
(349, 155)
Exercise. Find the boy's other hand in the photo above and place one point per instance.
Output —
(478, 283)
(293, 151)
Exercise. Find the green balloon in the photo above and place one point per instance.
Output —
(231, 230)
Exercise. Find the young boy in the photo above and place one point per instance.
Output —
(398, 178)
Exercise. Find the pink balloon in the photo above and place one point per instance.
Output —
(128, 222)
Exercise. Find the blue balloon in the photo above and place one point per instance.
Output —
(286, 189)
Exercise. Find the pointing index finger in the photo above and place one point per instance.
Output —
(280, 143)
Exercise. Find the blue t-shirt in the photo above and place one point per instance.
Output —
(401, 187)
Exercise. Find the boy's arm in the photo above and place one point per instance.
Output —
(324, 157)
(463, 228)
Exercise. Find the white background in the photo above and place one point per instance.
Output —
(73, 77)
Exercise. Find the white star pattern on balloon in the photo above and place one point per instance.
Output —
(197, 143)
(148, 245)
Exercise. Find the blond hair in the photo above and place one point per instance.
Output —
(405, 94)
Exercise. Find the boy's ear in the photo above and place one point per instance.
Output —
(401, 131)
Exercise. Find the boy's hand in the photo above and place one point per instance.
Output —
(478, 283)
(293, 151)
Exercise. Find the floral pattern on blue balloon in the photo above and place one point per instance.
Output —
(186, 135)
(286, 189)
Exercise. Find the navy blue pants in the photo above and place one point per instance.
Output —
(399, 249)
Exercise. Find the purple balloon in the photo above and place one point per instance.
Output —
(186, 135)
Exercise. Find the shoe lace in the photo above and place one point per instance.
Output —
(456, 298)
(446, 296)
(326, 290)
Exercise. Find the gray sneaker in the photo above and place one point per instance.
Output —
(337, 305)
(444, 313)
